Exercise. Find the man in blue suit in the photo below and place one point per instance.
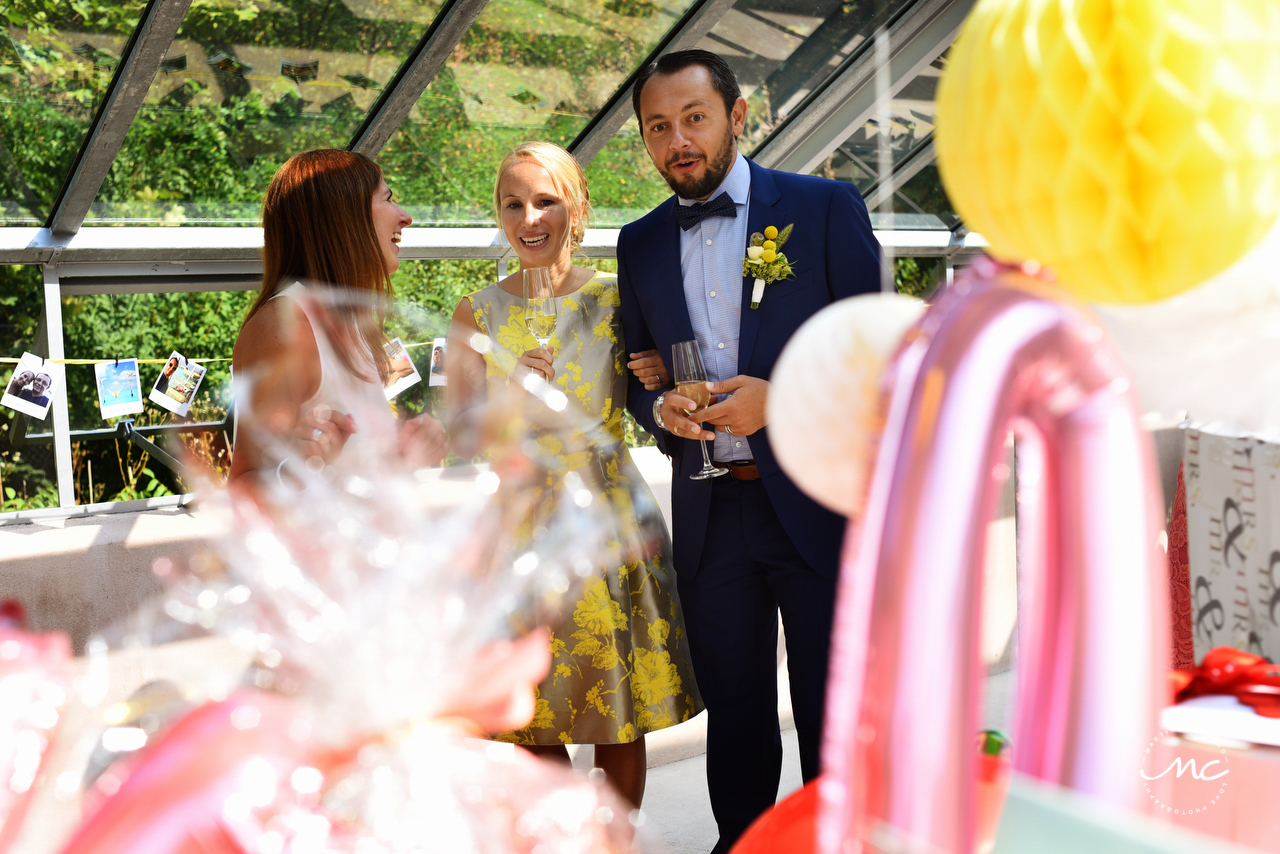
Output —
(750, 544)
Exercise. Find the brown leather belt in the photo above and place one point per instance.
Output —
(742, 469)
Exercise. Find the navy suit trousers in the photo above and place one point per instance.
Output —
(749, 571)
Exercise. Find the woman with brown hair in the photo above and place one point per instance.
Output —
(329, 221)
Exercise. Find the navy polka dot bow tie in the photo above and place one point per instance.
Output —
(687, 216)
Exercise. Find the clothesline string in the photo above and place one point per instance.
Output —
(13, 361)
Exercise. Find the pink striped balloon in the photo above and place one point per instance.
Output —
(997, 352)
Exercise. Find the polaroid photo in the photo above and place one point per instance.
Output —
(403, 372)
(31, 387)
(177, 384)
(437, 363)
(119, 388)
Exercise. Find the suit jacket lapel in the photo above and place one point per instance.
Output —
(668, 278)
(760, 213)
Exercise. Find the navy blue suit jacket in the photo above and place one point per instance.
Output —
(833, 255)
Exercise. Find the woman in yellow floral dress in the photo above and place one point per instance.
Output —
(620, 662)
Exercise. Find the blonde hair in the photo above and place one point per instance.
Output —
(567, 176)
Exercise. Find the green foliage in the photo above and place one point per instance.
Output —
(149, 326)
(917, 277)
(195, 155)
(24, 486)
(633, 434)
(21, 303)
(25, 474)
(634, 8)
(304, 24)
(435, 287)
(51, 82)
(12, 499)
(622, 176)
(94, 16)
(135, 489)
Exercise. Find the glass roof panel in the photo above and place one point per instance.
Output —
(245, 85)
(920, 203)
(624, 184)
(527, 69)
(910, 126)
(781, 51)
(924, 195)
(55, 67)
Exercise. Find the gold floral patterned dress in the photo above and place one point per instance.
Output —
(620, 660)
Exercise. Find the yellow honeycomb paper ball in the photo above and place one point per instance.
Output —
(1133, 146)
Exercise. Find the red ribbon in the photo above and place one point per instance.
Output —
(1250, 678)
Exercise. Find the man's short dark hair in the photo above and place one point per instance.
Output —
(722, 76)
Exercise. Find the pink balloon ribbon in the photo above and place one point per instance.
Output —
(997, 352)
(181, 795)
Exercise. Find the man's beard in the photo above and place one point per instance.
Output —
(717, 168)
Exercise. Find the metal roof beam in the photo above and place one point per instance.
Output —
(199, 255)
(690, 30)
(918, 158)
(916, 39)
(129, 85)
(417, 72)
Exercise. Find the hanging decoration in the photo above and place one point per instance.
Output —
(1133, 146)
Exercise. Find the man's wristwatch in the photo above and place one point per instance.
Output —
(657, 412)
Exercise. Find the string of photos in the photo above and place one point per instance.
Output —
(32, 387)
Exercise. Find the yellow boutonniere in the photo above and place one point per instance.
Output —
(765, 260)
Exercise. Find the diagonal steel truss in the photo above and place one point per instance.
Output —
(137, 68)
(415, 75)
(918, 37)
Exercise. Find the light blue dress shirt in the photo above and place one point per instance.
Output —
(711, 262)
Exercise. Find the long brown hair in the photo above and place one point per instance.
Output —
(317, 223)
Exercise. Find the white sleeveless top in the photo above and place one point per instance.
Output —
(342, 391)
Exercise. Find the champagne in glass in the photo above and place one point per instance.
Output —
(691, 382)
(540, 313)
(697, 392)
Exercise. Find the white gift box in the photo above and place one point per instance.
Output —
(1233, 541)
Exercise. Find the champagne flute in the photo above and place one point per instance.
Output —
(691, 382)
(540, 313)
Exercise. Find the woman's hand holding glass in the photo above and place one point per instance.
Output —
(540, 360)
(322, 433)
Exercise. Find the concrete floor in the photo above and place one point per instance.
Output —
(678, 810)
(676, 805)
